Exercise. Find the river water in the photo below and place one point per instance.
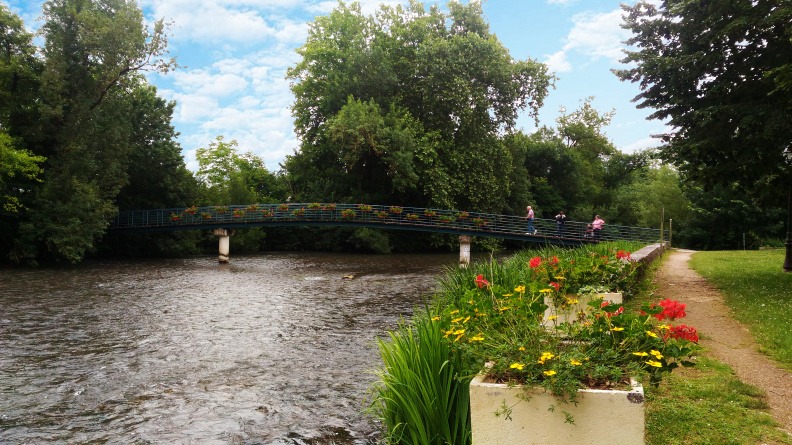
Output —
(270, 349)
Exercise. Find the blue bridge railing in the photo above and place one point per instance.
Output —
(376, 216)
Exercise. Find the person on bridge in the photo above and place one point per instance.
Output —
(596, 225)
(560, 224)
(530, 217)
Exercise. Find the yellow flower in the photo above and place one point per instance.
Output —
(657, 354)
(435, 318)
(520, 289)
(574, 362)
(545, 356)
(466, 319)
(546, 290)
(571, 301)
(640, 354)
(663, 327)
(654, 363)
(504, 308)
(517, 366)
(507, 295)
(549, 373)
(454, 311)
(456, 320)
(617, 329)
(478, 337)
(459, 332)
(521, 348)
(552, 317)
(651, 334)
(560, 278)
(448, 332)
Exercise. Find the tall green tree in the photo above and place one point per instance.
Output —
(718, 73)
(92, 53)
(408, 107)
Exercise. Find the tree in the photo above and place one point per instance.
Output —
(231, 178)
(718, 73)
(409, 106)
(15, 165)
(93, 51)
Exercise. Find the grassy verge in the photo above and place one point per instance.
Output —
(758, 291)
(705, 405)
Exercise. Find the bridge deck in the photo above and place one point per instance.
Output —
(375, 216)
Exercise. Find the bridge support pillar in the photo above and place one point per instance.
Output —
(224, 248)
(464, 251)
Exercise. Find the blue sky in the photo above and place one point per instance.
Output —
(235, 54)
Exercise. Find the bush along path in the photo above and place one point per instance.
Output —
(726, 339)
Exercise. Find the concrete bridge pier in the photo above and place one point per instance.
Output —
(464, 250)
(224, 248)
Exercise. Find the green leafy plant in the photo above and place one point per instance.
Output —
(419, 397)
(396, 210)
(314, 206)
(298, 212)
(381, 215)
(365, 208)
(348, 214)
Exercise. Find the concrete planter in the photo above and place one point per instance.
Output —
(569, 314)
(604, 417)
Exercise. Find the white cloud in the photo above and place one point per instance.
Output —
(593, 35)
(560, 2)
(558, 62)
(640, 144)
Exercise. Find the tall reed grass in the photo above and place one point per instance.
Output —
(420, 397)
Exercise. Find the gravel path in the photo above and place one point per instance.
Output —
(728, 340)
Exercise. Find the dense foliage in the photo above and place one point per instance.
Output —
(718, 72)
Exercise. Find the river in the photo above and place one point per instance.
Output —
(270, 349)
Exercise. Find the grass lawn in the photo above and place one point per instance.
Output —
(758, 291)
(709, 405)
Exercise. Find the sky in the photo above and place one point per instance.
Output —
(234, 55)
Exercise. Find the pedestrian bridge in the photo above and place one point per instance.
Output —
(223, 219)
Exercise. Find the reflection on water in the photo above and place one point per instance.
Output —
(271, 349)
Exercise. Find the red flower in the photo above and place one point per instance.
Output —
(481, 282)
(612, 314)
(555, 285)
(535, 262)
(684, 332)
(672, 310)
(554, 260)
(623, 254)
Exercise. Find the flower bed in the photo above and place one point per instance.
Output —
(497, 313)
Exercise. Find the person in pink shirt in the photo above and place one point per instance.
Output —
(596, 225)
(529, 215)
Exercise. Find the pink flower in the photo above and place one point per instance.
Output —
(481, 282)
